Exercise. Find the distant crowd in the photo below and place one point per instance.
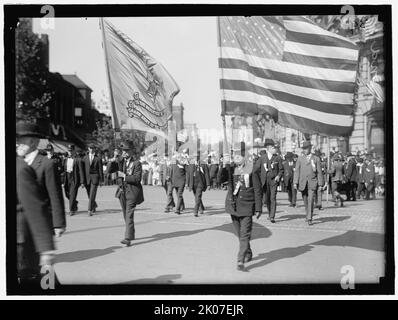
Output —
(370, 169)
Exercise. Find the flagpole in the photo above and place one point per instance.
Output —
(114, 116)
(225, 144)
(327, 172)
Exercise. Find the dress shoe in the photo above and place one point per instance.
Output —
(177, 212)
(201, 212)
(248, 258)
(310, 223)
(72, 213)
(294, 206)
(126, 242)
(90, 213)
(320, 208)
(195, 214)
(240, 266)
(167, 210)
(272, 220)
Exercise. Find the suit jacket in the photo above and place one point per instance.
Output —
(49, 182)
(337, 171)
(196, 178)
(77, 175)
(178, 175)
(248, 199)
(214, 167)
(288, 172)
(34, 225)
(93, 173)
(274, 166)
(369, 174)
(133, 187)
(351, 172)
(308, 173)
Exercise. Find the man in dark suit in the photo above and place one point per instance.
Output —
(243, 200)
(35, 246)
(132, 191)
(198, 179)
(288, 170)
(56, 159)
(178, 181)
(369, 178)
(319, 191)
(74, 173)
(351, 176)
(338, 178)
(271, 171)
(308, 178)
(93, 176)
(213, 171)
(28, 137)
(361, 178)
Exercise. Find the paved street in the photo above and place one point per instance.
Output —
(185, 249)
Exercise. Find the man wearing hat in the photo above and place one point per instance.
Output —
(28, 138)
(288, 170)
(270, 170)
(74, 177)
(35, 245)
(198, 180)
(351, 176)
(178, 181)
(361, 191)
(92, 177)
(319, 192)
(369, 177)
(130, 192)
(57, 160)
(337, 174)
(308, 178)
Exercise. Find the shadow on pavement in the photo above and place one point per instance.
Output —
(357, 239)
(352, 238)
(91, 229)
(289, 217)
(331, 219)
(259, 232)
(164, 279)
(279, 254)
(81, 255)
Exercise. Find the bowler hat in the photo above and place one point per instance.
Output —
(289, 155)
(26, 129)
(306, 144)
(269, 142)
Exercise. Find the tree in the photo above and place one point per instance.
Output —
(32, 87)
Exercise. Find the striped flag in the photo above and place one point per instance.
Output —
(370, 26)
(141, 89)
(290, 68)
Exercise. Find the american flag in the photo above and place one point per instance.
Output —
(290, 68)
(370, 26)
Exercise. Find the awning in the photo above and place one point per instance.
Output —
(59, 146)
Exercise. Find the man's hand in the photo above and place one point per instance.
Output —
(295, 186)
(82, 185)
(58, 232)
(258, 214)
(46, 259)
(277, 178)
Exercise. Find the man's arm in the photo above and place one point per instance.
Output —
(296, 175)
(136, 177)
(34, 210)
(55, 194)
(321, 181)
